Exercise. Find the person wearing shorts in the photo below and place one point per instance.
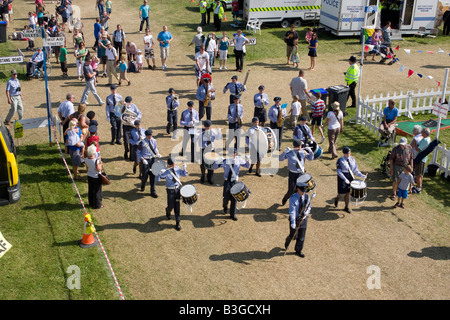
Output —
(405, 181)
(149, 52)
(401, 156)
(317, 110)
(164, 39)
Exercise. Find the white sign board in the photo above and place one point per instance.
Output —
(7, 60)
(34, 33)
(4, 245)
(440, 110)
(252, 42)
(53, 41)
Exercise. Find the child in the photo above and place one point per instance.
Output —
(308, 35)
(317, 110)
(405, 182)
(123, 71)
(31, 20)
(139, 60)
(91, 115)
(94, 64)
(94, 139)
(295, 58)
(376, 40)
(30, 41)
(295, 111)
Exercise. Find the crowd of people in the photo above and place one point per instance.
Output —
(304, 113)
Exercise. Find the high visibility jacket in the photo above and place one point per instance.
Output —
(203, 5)
(352, 74)
(221, 11)
(209, 3)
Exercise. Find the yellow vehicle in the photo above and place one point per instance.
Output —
(9, 172)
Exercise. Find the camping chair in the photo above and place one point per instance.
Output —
(433, 33)
(421, 32)
(250, 24)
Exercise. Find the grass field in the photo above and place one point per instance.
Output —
(47, 222)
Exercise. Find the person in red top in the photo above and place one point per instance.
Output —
(235, 9)
(93, 137)
(317, 110)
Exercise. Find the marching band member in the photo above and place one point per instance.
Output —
(252, 140)
(147, 153)
(205, 93)
(114, 119)
(276, 116)
(296, 165)
(261, 100)
(127, 127)
(136, 135)
(235, 88)
(172, 103)
(302, 132)
(231, 168)
(299, 208)
(235, 116)
(172, 176)
(189, 119)
(205, 142)
(346, 167)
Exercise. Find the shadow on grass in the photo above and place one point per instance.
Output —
(435, 253)
(247, 257)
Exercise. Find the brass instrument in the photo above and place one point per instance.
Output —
(128, 117)
(280, 118)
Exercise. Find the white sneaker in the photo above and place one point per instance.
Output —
(225, 68)
(322, 139)
(220, 68)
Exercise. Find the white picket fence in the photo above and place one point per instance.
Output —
(370, 110)
(441, 158)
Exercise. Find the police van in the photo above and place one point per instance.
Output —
(9, 173)
(284, 12)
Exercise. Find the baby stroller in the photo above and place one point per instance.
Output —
(387, 54)
(386, 164)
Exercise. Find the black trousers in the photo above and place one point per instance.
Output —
(146, 173)
(146, 20)
(116, 123)
(351, 94)
(172, 116)
(95, 192)
(292, 181)
(299, 237)
(278, 132)
(208, 15)
(239, 59)
(186, 138)
(203, 168)
(227, 197)
(202, 109)
(173, 202)
(217, 22)
(118, 46)
(126, 138)
(234, 133)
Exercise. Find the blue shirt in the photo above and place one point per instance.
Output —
(232, 114)
(273, 112)
(232, 87)
(171, 182)
(144, 149)
(207, 137)
(202, 91)
(11, 86)
(344, 166)
(144, 10)
(260, 100)
(164, 36)
(300, 136)
(390, 114)
(294, 203)
(172, 104)
(110, 105)
(296, 159)
(137, 135)
(97, 28)
(229, 163)
(187, 118)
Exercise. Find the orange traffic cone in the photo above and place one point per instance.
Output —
(224, 17)
(88, 239)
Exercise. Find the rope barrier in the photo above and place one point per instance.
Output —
(86, 213)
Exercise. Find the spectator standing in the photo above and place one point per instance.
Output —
(223, 51)
(317, 110)
(419, 168)
(89, 76)
(104, 20)
(299, 87)
(198, 40)
(123, 71)
(108, 6)
(97, 27)
(101, 52)
(401, 156)
(63, 60)
(211, 48)
(119, 39)
(295, 111)
(94, 167)
(313, 43)
(143, 16)
(291, 39)
(405, 181)
(335, 122)
(235, 10)
(111, 64)
(80, 55)
(100, 7)
(239, 43)
(164, 39)
(149, 51)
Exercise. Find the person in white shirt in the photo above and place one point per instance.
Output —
(37, 60)
(335, 122)
(202, 64)
(111, 55)
(239, 42)
(119, 39)
(295, 111)
(299, 87)
(149, 51)
(65, 109)
(211, 48)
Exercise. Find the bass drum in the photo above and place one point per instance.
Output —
(264, 141)
(158, 166)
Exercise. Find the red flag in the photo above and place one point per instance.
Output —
(398, 47)
(439, 84)
(366, 48)
(410, 73)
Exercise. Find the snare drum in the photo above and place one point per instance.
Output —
(358, 190)
(189, 194)
(240, 192)
(158, 166)
(209, 158)
(316, 149)
(308, 179)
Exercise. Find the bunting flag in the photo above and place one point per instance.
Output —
(441, 51)
(410, 73)
(439, 84)
(431, 52)
(398, 48)
(408, 52)
(420, 76)
(402, 68)
(429, 77)
(419, 51)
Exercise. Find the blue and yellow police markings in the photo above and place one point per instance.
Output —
(285, 8)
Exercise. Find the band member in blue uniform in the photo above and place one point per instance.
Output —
(235, 116)
(172, 103)
(261, 100)
(235, 87)
(254, 144)
(276, 115)
(130, 109)
(205, 93)
(173, 185)
(231, 168)
(147, 153)
(205, 141)
(114, 118)
(189, 119)
(296, 165)
(137, 134)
